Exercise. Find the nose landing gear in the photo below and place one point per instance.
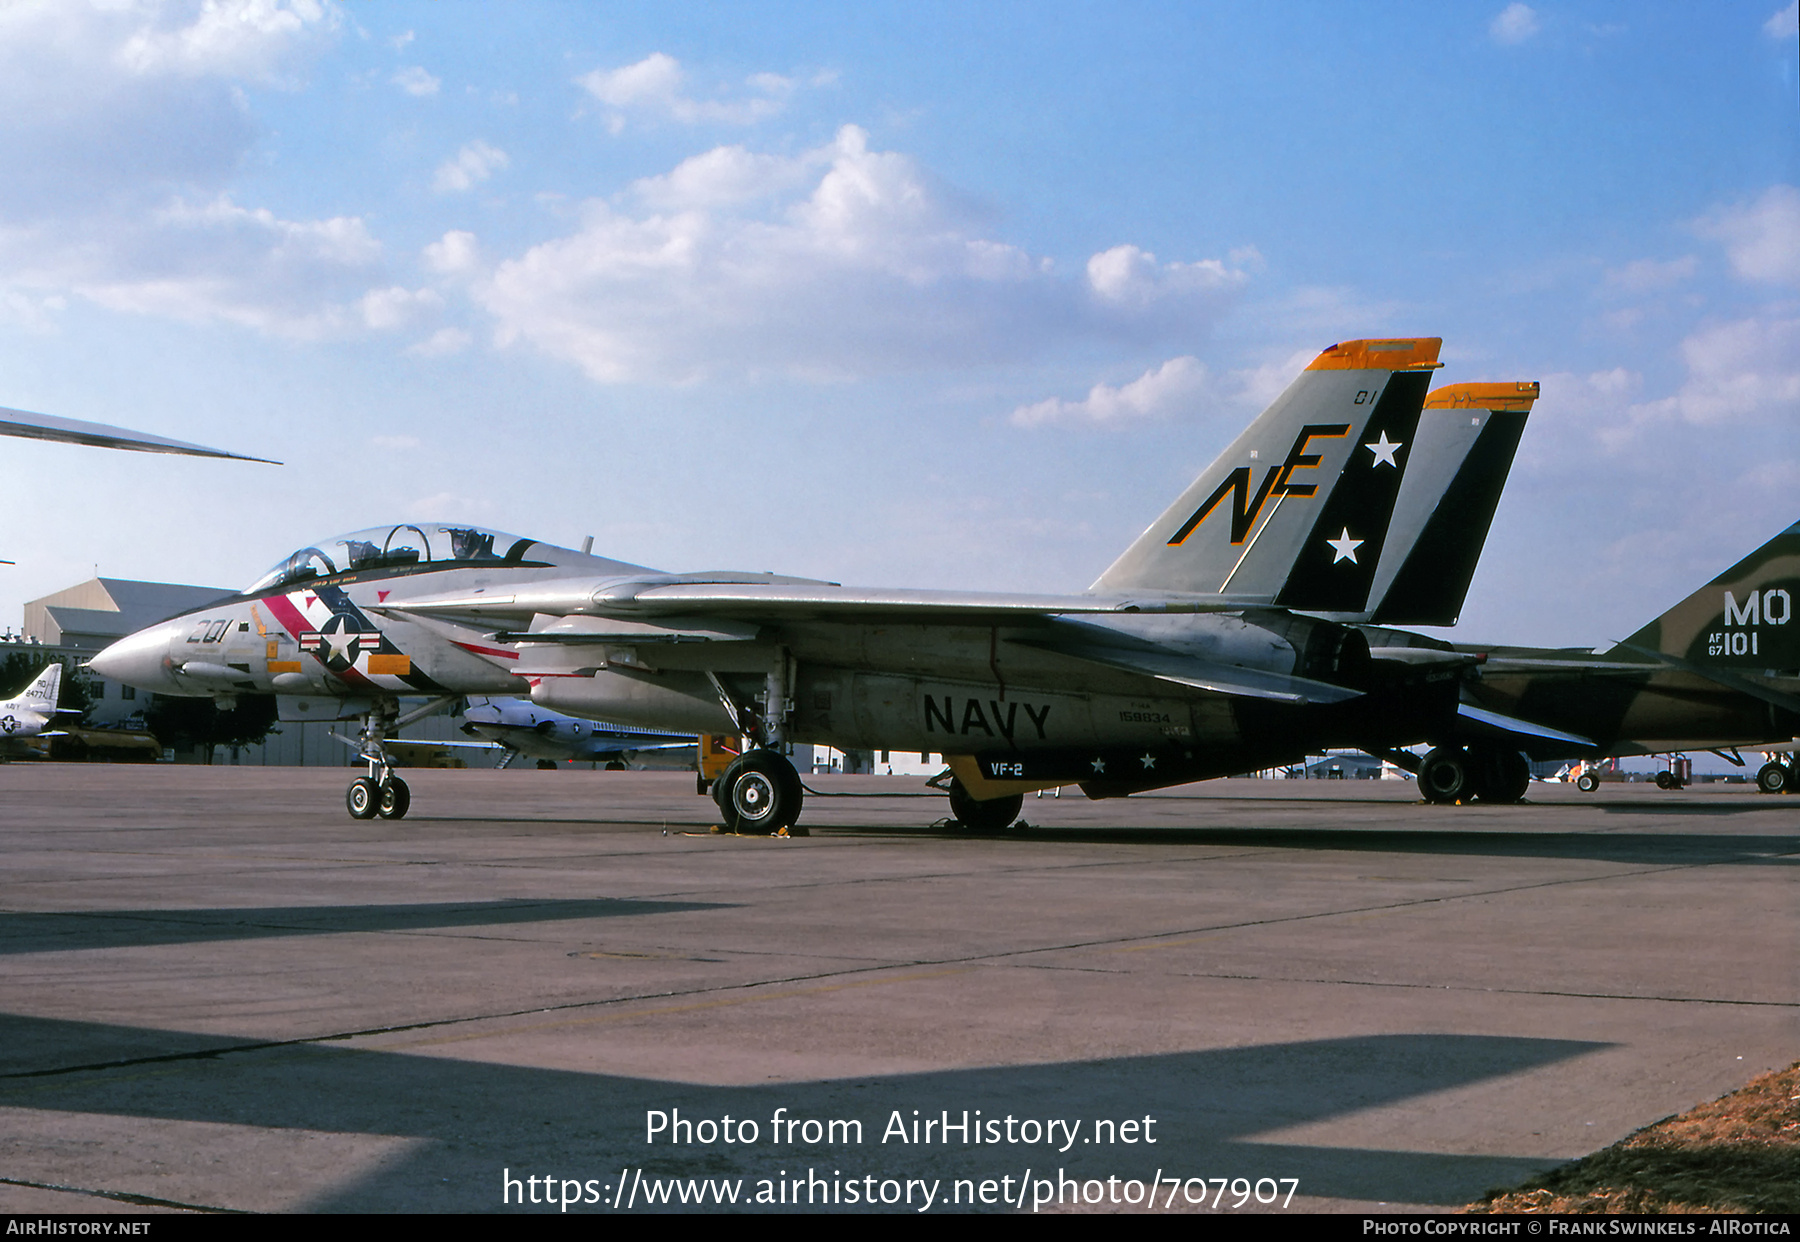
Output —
(380, 792)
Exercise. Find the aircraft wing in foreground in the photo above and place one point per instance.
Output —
(29, 426)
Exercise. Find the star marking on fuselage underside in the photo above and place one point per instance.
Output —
(1384, 450)
(1099, 765)
(1345, 547)
(1149, 761)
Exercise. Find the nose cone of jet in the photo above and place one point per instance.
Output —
(141, 660)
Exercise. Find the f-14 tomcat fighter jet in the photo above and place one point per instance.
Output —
(1222, 640)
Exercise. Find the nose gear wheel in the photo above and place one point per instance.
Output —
(380, 792)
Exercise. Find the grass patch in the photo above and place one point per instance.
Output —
(1740, 1153)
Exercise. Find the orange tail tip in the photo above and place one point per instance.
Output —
(1411, 354)
(1516, 396)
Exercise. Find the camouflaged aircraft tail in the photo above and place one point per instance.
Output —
(1296, 511)
(1743, 620)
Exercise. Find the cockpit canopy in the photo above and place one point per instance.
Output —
(409, 546)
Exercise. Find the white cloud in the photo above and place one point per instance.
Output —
(725, 176)
(414, 80)
(440, 343)
(656, 78)
(455, 253)
(1762, 239)
(1742, 371)
(395, 307)
(35, 314)
(1128, 276)
(92, 95)
(1785, 23)
(102, 202)
(1649, 275)
(475, 163)
(1260, 386)
(860, 265)
(1744, 374)
(1514, 24)
(1617, 382)
(1158, 392)
(654, 87)
(250, 39)
(341, 240)
(212, 262)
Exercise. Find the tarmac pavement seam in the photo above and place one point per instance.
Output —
(1123, 943)
(119, 1196)
(1426, 987)
(1004, 957)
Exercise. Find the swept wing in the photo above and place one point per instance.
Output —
(26, 425)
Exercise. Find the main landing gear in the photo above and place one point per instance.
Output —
(380, 792)
(1777, 777)
(983, 818)
(760, 794)
(1451, 774)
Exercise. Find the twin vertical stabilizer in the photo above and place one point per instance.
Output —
(1296, 512)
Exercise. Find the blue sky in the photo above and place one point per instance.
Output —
(926, 295)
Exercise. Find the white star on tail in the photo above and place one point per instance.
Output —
(1344, 546)
(1384, 451)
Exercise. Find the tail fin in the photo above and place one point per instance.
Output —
(1295, 512)
(1742, 620)
(1466, 441)
(42, 691)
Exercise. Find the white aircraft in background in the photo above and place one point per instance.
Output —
(524, 728)
(34, 708)
(519, 727)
